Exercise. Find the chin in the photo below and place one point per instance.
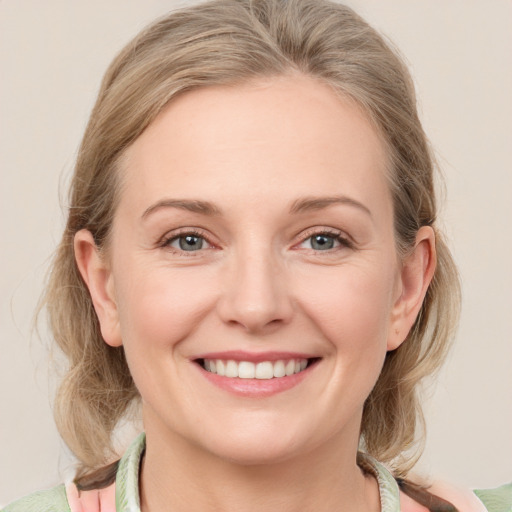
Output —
(258, 446)
(255, 454)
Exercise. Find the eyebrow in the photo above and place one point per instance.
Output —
(299, 206)
(191, 205)
(317, 203)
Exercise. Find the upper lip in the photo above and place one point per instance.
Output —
(254, 357)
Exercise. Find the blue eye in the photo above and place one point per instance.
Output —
(322, 242)
(325, 242)
(188, 242)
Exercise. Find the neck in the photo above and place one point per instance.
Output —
(177, 475)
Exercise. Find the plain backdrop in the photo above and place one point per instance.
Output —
(52, 56)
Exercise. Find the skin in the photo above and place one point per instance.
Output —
(258, 284)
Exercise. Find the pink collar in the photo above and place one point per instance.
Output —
(102, 500)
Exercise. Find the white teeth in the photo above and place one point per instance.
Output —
(221, 367)
(247, 370)
(279, 369)
(231, 369)
(264, 370)
(290, 368)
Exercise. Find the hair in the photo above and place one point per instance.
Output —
(230, 42)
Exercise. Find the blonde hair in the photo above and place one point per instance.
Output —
(229, 42)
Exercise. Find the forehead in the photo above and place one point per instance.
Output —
(270, 138)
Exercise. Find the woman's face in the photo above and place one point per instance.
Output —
(254, 236)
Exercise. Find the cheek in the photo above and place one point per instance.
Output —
(352, 306)
(160, 307)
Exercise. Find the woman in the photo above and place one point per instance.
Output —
(252, 254)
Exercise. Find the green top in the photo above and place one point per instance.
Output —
(127, 488)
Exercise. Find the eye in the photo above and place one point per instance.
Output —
(321, 242)
(324, 241)
(189, 242)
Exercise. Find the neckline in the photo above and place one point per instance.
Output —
(388, 488)
(127, 479)
(127, 476)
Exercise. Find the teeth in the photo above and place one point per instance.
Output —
(279, 369)
(264, 370)
(231, 369)
(246, 370)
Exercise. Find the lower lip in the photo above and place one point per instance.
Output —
(257, 388)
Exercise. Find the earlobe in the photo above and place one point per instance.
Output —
(415, 276)
(99, 280)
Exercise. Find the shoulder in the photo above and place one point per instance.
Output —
(496, 500)
(416, 496)
(66, 499)
(52, 500)
(488, 500)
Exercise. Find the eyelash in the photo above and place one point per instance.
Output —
(343, 241)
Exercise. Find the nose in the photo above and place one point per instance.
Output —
(256, 295)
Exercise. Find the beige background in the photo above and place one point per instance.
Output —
(52, 55)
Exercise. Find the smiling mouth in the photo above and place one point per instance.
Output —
(264, 370)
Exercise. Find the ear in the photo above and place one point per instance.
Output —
(99, 280)
(415, 277)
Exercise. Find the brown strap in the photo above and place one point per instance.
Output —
(423, 497)
(98, 479)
